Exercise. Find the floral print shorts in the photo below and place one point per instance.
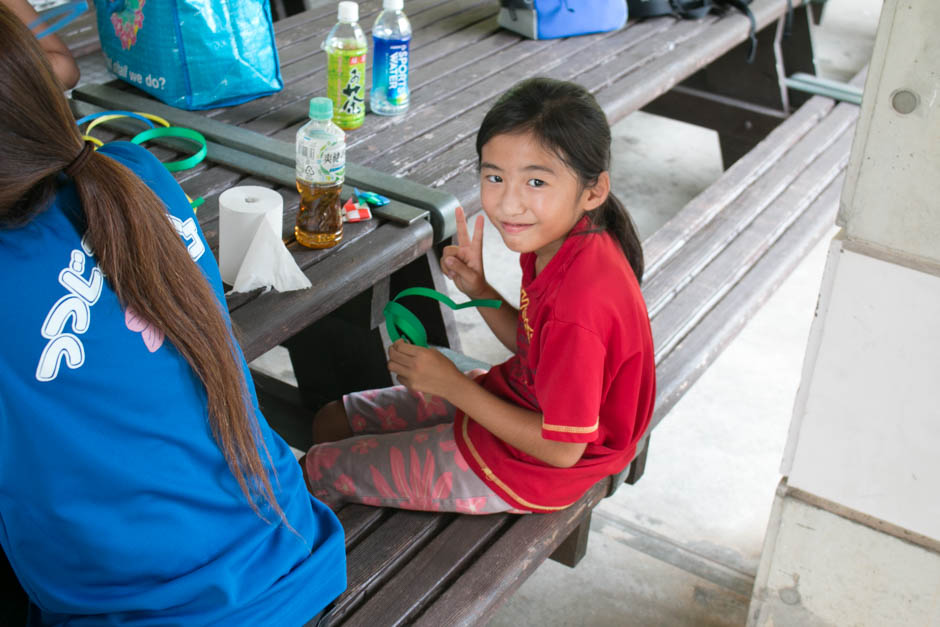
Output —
(402, 455)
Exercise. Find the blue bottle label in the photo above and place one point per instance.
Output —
(390, 69)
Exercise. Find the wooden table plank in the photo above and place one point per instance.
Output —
(632, 92)
(723, 271)
(291, 104)
(306, 77)
(81, 35)
(359, 520)
(436, 127)
(336, 278)
(682, 368)
(639, 43)
(659, 247)
(313, 9)
(474, 596)
(428, 573)
(379, 555)
(705, 244)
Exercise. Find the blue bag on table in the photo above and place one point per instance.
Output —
(191, 54)
(549, 19)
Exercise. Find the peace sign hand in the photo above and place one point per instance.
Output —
(463, 263)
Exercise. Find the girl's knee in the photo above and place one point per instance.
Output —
(331, 424)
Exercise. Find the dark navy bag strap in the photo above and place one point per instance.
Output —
(741, 5)
(691, 9)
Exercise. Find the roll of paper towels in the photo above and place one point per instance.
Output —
(251, 253)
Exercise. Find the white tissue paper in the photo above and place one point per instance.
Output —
(251, 253)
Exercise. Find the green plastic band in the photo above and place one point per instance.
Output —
(182, 133)
(402, 324)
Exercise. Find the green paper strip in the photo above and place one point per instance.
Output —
(402, 324)
(182, 133)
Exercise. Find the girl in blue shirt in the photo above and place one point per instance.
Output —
(139, 482)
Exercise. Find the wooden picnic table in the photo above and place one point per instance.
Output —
(461, 61)
(403, 565)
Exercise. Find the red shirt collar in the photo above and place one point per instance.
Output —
(536, 284)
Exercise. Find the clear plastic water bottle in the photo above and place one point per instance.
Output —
(321, 167)
(391, 36)
(346, 47)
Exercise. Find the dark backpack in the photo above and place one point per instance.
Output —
(688, 9)
(695, 9)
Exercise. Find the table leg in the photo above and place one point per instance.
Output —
(342, 352)
(797, 51)
(347, 350)
(744, 101)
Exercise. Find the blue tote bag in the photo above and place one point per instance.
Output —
(191, 54)
(549, 19)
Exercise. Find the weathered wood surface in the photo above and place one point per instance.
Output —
(762, 217)
(269, 320)
(461, 62)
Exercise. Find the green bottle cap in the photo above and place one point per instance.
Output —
(321, 108)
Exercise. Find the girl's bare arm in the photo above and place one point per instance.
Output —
(61, 59)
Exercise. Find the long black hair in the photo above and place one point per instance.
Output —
(567, 120)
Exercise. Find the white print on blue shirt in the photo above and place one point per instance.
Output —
(190, 233)
(65, 346)
(83, 293)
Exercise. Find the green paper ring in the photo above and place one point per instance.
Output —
(400, 322)
(182, 133)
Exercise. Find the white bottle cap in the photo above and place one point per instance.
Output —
(348, 11)
(393, 5)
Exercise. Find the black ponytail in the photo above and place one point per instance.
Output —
(567, 121)
(614, 218)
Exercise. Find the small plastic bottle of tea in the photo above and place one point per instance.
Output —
(346, 50)
(321, 165)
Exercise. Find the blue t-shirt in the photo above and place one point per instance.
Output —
(116, 504)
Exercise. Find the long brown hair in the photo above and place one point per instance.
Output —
(137, 249)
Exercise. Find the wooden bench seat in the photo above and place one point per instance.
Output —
(709, 269)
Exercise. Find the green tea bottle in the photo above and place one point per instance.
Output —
(346, 48)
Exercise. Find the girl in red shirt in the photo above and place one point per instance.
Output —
(567, 409)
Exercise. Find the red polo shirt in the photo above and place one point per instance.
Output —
(584, 361)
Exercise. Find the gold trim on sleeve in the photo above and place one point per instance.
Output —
(564, 429)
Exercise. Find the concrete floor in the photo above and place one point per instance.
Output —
(682, 546)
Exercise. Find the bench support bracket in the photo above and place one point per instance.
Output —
(574, 547)
(744, 102)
